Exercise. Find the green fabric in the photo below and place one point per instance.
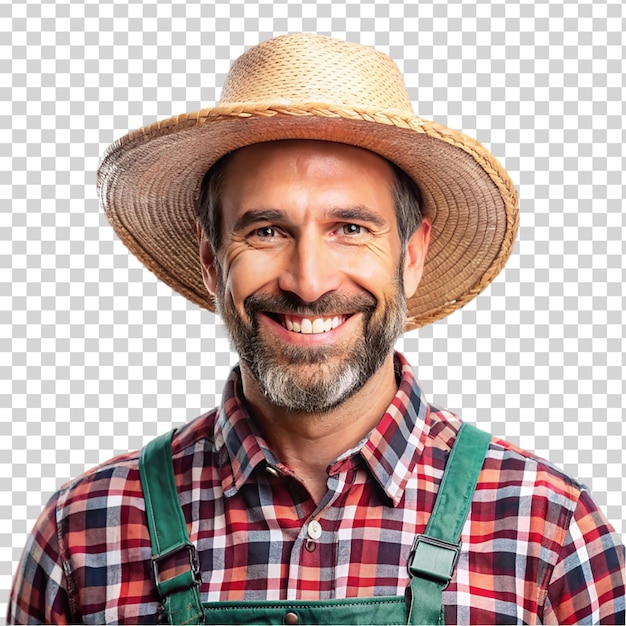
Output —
(183, 607)
(383, 610)
(168, 529)
(168, 532)
(426, 607)
(434, 554)
(431, 564)
(458, 484)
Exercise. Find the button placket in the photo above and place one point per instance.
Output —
(314, 530)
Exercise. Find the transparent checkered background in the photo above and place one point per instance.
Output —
(97, 357)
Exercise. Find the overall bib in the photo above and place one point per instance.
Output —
(431, 563)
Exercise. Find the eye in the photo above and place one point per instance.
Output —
(352, 229)
(264, 232)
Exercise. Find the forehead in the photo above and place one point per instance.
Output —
(314, 171)
(294, 148)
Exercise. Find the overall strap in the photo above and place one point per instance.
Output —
(435, 553)
(168, 533)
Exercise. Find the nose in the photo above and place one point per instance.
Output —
(311, 270)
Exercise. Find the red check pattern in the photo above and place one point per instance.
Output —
(536, 549)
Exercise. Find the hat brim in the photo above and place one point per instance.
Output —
(149, 183)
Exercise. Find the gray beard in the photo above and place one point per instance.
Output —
(318, 397)
(314, 380)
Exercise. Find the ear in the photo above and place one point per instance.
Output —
(207, 262)
(415, 257)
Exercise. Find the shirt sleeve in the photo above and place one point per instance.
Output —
(39, 594)
(587, 584)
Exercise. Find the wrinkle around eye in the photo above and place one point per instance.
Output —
(266, 233)
(265, 237)
(352, 233)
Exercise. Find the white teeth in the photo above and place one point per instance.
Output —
(318, 325)
(313, 326)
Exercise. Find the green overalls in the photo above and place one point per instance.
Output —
(431, 562)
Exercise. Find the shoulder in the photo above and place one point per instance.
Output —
(117, 481)
(508, 465)
(546, 531)
(508, 468)
(92, 533)
(521, 500)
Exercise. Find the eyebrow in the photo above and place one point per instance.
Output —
(254, 216)
(358, 213)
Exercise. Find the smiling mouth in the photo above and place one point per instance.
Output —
(310, 325)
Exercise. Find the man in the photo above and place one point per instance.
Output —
(325, 489)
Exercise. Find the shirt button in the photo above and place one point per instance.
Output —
(291, 618)
(314, 530)
(272, 471)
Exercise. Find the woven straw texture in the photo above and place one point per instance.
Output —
(314, 87)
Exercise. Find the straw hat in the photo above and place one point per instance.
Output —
(307, 86)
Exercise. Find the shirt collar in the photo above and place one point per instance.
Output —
(390, 451)
(240, 446)
(395, 445)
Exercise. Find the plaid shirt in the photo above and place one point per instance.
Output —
(536, 549)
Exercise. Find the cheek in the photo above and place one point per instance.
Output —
(378, 271)
(246, 274)
(375, 268)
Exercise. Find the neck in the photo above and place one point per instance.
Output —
(309, 442)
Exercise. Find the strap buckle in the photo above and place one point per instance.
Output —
(433, 558)
(194, 563)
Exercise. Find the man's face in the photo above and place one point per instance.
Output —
(309, 275)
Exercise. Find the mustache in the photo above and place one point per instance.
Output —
(326, 305)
